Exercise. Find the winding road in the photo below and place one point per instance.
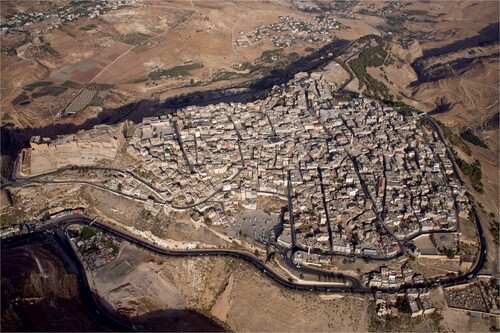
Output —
(352, 284)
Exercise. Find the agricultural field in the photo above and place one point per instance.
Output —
(184, 45)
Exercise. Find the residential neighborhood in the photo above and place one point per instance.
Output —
(359, 176)
(53, 19)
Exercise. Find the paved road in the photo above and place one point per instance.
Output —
(35, 179)
(58, 228)
(482, 240)
(352, 283)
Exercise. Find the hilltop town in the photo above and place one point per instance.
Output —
(351, 176)
(220, 165)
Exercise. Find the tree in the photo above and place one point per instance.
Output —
(449, 253)
(402, 305)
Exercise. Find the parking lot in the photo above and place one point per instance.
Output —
(255, 224)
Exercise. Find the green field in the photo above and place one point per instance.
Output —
(19, 98)
(34, 85)
(49, 90)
